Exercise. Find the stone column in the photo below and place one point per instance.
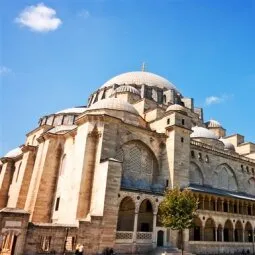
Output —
(237, 207)
(216, 204)
(233, 234)
(216, 232)
(203, 233)
(154, 234)
(209, 203)
(135, 227)
(228, 205)
(222, 235)
(243, 235)
(222, 205)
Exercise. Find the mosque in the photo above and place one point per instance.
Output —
(96, 174)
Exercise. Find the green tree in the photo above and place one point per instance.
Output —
(177, 210)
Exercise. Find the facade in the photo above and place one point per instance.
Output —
(96, 175)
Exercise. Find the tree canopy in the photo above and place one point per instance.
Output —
(178, 209)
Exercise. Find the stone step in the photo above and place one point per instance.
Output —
(168, 251)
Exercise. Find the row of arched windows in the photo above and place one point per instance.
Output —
(231, 231)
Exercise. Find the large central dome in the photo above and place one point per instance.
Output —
(140, 78)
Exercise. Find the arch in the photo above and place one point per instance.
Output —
(209, 230)
(251, 185)
(126, 215)
(195, 233)
(145, 217)
(224, 178)
(195, 174)
(140, 165)
(219, 233)
(160, 238)
(228, 231)
(238, 231)
(248, 232)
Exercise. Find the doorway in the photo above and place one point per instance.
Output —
(8, 244)
(160, 239)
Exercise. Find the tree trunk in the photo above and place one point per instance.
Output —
(182, 240)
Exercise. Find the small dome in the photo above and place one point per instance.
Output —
(201, 132)
(114, 104)
(13, 153)
(139, 78)
(213, 124)
(176, 107)
(227, 145)
(73, 110)
(127, 88)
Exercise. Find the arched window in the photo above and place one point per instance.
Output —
(140, 168)
(210, 230)
(145, 217)
(196, 231)
(238, 232)
(164, 99)
(62, 165)
(126, 215)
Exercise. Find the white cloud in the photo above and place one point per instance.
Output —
(217, 99)
(212, 100)
(84, 13)
(4, 70)
(39, 18)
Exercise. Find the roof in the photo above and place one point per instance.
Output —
(13, 153)
(140, 78)
(227, 144)
(210, 190)
(213, 124)
(73, 110)
(176, 107)
(114, 104)
(127, 88)
(13, 210)
(62, 129)
(201, 132)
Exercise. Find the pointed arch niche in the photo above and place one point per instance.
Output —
(195, 174)
(140, 166)
(224, 178)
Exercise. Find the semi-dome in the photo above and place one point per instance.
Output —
(201, 132)
(114, 104)
(13, 153)
(139, 78)
(127, 88)
(213, 124)
(227, 145)
(176, 107)
(73, 110)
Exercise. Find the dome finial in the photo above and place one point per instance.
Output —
(143, 67)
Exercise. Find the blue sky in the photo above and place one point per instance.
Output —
(206, 48)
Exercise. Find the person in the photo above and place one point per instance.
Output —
(81, 248)
(111, 252)
(77, 249)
